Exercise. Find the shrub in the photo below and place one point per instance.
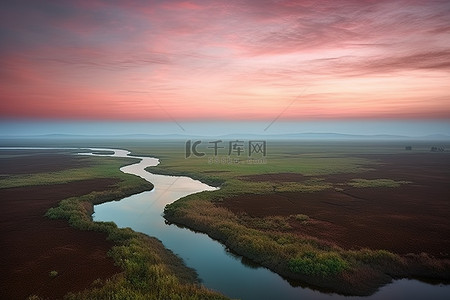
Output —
(53, 274)
(376, 257)
(363, 183)
(318, 264)
(301, 217)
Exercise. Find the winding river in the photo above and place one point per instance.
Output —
(217, 268)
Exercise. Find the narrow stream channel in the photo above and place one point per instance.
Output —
(217, 268)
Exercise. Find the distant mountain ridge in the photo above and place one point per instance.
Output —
(290, 136)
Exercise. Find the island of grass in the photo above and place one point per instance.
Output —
(42, 192)
(345, 220)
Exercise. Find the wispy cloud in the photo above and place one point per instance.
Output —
(224, 59)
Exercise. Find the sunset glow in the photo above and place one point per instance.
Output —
(229, 60)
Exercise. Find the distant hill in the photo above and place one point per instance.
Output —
(242, 136)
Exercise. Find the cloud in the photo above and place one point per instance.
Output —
(332, 24)
(221, 57)
(432, 60)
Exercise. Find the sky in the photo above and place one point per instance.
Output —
(235, 60)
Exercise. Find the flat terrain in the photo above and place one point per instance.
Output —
(346, 216)
(15, 162)
(32, 245)
(41, 193)
(410, 218)
(309, 213)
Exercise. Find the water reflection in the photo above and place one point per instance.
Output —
(218, 268)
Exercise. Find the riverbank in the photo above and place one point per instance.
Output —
(262, 217)
(86, 259)
(405, 213)
(260, 231)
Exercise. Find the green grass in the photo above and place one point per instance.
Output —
(264, 240)
(302, 163)
(267, 240)
(365, 183)
(100, 167)
(301, 218)
(325, 264)
(149, 270)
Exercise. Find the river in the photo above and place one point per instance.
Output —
(217, 268)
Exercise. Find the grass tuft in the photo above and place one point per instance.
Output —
(365, 183)
(53, 274)
(318, 264)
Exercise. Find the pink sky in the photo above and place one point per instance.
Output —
(245, 60)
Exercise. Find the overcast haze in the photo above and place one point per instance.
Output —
(187, 129)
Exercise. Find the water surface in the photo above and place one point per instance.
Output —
(217, 268)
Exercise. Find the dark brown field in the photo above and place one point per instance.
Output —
(412, 218)
(33, 245)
